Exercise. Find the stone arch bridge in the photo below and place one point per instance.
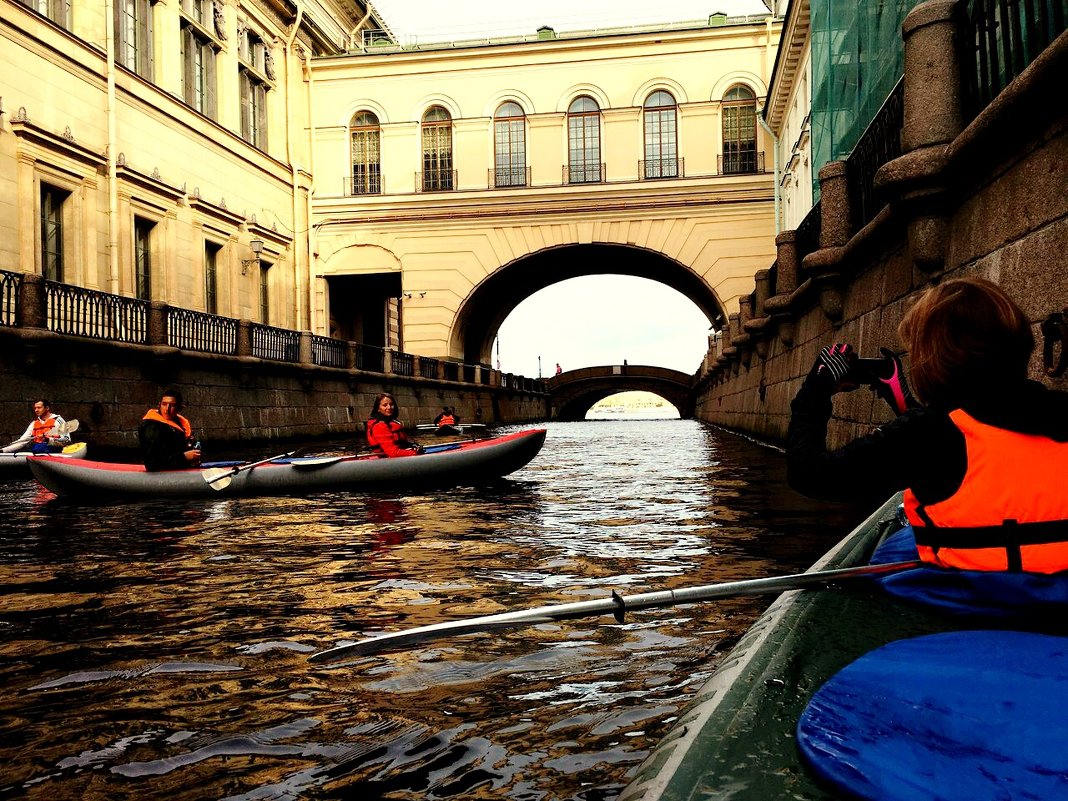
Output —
(572, 393)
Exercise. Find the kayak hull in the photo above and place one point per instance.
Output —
(736, 739)
(455, 465)
(16, 466)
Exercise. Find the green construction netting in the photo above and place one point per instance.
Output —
(857, 58)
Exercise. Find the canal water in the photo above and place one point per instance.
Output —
(159, 650)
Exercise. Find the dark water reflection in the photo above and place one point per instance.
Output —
(158, 650)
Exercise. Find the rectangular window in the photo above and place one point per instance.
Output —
(198, 69)
(133, 35)
(211, 280)
(143, 257)
(56, 10)
(265, 293)
(254, 73)
(52, 200)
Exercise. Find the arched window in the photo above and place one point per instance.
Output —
(437, 150)
(661, 140)
(366, 138)
(584, 142)
(739, 131)
(509, 146)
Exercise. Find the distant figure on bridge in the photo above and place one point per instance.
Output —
(45, 433)
(385, 434)
(166, 437)
(559, 369)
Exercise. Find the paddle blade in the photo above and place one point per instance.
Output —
(68, 427)
(218, 477)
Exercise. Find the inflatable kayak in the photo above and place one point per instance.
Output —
(16, 466)
(453, 464)
(842, 692)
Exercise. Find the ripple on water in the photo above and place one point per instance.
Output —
(179, 630)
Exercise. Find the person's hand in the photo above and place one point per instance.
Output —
(193, 457)
(419, 449)
(833, 366)
(889, 383)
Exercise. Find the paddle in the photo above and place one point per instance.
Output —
(617, 605)
(69, 427)
(220, 477)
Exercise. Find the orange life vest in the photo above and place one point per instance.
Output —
(181, 424)
(1010, 511)
(42, 427)
(446, 420)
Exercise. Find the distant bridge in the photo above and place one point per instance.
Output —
(571, 394)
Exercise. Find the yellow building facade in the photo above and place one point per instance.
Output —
(283, 162)
(454, 182)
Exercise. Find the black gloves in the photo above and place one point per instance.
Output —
(833, 367)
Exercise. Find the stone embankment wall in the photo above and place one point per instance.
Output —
(989, 199)
(108, 386)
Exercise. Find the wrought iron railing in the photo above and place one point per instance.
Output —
(435, 180)
(584, 173)
(403, 363)
(9, 297)
(452, 371)
(807, 234)
(208, 333)
(745, 162)
(364, 183)
(88, 313)
(429, 367)
(1001, 37)
(329, 352)
(470, 373)
(653, 169)
(370, 358)
(276, 344)
(880, 143)
(503, 177)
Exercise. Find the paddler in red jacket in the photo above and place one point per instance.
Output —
(166, 437)
(385, 434)
(982, 464)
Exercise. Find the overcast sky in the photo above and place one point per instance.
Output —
(594, 320)
(436, 20)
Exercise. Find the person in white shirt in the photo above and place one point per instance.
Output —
(46, 433)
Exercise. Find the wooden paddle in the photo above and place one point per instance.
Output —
(69, 427)
(617, 605)
(219, 478)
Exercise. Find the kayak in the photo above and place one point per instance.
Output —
(452, 464)
(860, 691)
(16, 466)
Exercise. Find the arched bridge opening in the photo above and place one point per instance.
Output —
(573, 393)
(489, 304)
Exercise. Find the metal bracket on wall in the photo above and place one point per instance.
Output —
(1055, 332)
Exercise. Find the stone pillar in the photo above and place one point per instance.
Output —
(786, 259)
(157, 322)
(932, 107)
(33, 303)
(244, 337)
(933, 118)
(836, 221)
(350, 355)
(305, 348)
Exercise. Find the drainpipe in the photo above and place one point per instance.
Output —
(354, 31)
(775, 145)
(303, 318)
(113, 146)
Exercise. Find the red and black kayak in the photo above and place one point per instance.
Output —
(454, 464)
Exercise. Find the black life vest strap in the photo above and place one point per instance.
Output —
(1009, 534)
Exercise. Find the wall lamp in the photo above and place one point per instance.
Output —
(410, 295)
(257, 248)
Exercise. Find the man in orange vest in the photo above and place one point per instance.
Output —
(46, 433)
(166, 437)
